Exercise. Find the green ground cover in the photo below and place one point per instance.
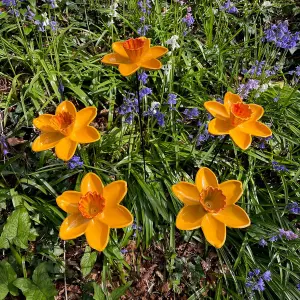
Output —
(51, 51)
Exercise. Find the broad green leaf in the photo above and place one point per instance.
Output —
(16, 230)
(87, 261)
(98, 293)
(40, 287)
(120, 291)
(7, 276)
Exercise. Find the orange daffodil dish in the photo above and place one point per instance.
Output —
(211, 206)
(65, 130)
(238, 119)
(94, 210)
(134, 54)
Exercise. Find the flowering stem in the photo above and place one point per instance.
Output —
(217, 152)
(192, 234)
(141, 124)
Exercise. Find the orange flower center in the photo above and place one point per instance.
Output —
(212, 199)
(91, 204)
(134, 48)
(240, 112)
(62, 122)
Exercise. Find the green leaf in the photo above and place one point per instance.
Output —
(120, 291)
(40, 287)
(98, 293)
(87, 261)
(16, 230)
(27, 30)
(7, 276)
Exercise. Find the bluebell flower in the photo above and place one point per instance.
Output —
(75, 162)
(288, 234)
(143, 77)
(172, 100)
(129, 107)
(145, 92)
(40, 25)
(281, 36)
(188, 19)
(256, 272)
(259, 286)
(124, 251)
(279, 168)
(232, 10)
(296, 71)
(52, 3)
(53, 25)
(298, 286)
(145, 7)
(143, 29)
(294, 208)
(4, 145)
(29, 14)
(202, 138)
(245, 88)
(229, 7)
(267, 276)
(191, 113)
(61, 87)
(256, 282)
(273, 238)
(276, 99)
(153, 111)
(9, 2)
(129, 119)
(160, 117)
(262, 243)
(136, 227)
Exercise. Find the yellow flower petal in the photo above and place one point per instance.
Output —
(119, 49)
(217, 109)
(91, 183)
(242, 139)
(157, 51)
(73, 226)
(114, 193)
(46, 141)
(219, 127)
(116, 217)
(229, 99)
(65, 149)
(97, 234)
(152, 64)
(128, 69)
(205, 178)
(214, 231)
(68, 201)
(114, 59)
(86, 134)
(255, 128)
(187, 193)
(66, 106)
(190, 217)
(232, 190)
(233, 216)
(43, 123)
(257, 111)
(85, 116)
